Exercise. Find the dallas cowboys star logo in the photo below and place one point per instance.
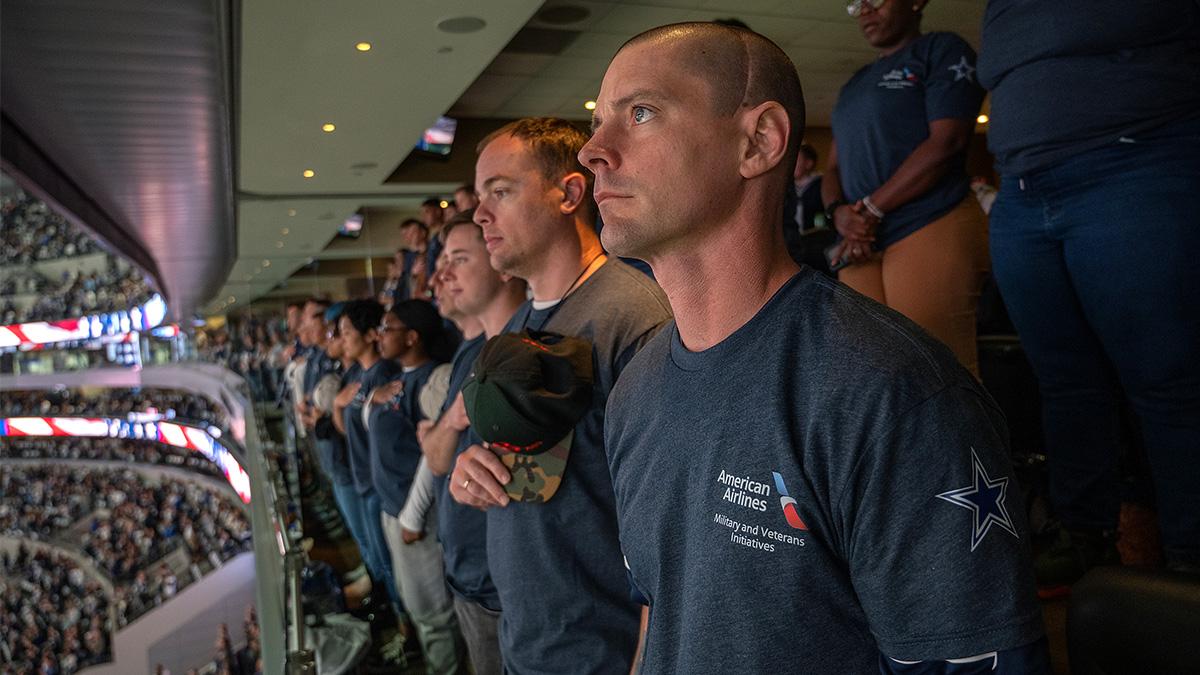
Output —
(986, 500)
(962, 70)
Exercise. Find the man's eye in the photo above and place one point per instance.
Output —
(641, 114)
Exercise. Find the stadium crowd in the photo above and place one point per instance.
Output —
(108, 449)
(78, 295)
(53, 618)
(257, 349)
(31, 233)
(174, 405)
(134, 523)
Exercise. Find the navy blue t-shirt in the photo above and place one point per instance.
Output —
(331, 450)
(358, 443)
(463, 529)
(825, 485)
(1070, 77)
(395, 452)
(883, 113)
(557, 565)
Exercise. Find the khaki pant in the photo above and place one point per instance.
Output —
(933, 276)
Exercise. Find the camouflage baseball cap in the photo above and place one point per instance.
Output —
(524, 396)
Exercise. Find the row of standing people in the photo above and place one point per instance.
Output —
(916, 569)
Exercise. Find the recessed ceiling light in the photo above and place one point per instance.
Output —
(279, 244)
(232, 299)
(443, 203)
(363, 46)
(309, 173)
(982, 119)
(461, 24)
(284, 231)
(328, 127)
(589, 105)
(266, 263)
(291, 212)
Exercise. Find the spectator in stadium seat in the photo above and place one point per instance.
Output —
(331, 445)
(434, 217)
(359, 327)
(860, 506)
(465, 199)
(804, 228)
(538, 220)
(897, 190)
(318, 362)
(489, 298)
(1096, 135)
(413, 264)
(409, 334)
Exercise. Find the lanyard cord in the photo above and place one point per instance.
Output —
(570, 289)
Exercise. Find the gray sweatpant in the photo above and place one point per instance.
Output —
(421, 582)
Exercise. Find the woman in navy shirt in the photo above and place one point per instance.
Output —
(1096, 238)
(912, 235)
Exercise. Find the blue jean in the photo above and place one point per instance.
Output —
(375, 553)
(1098, 259)
(351, 505)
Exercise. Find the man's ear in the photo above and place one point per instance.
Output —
(574, 187)
(766, 128)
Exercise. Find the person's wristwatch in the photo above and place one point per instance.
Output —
(832, 207)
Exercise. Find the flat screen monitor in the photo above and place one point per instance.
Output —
(439, 138)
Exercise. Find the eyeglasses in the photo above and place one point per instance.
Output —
(384, 328)
(857, 7)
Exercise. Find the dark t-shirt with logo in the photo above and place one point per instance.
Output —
(331, 449)
(883, 113)
(358, 442)
(825, 485)
(395, 452)
(463, 529)
(558, 565)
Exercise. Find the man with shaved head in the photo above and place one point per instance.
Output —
(805, 481)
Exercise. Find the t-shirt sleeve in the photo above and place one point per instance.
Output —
(951, 88)
(935, 535)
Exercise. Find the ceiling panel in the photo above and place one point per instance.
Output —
(307, 75)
